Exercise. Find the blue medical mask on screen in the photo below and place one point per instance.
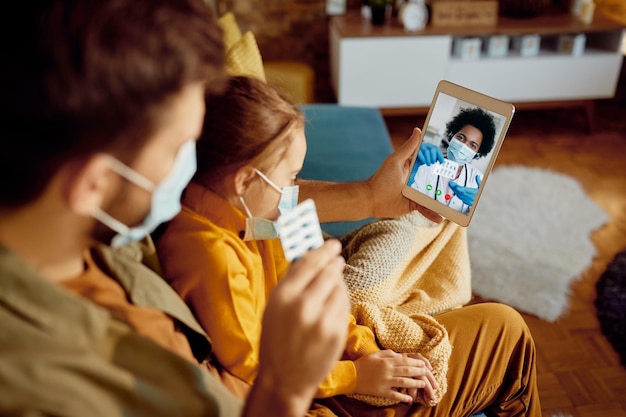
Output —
(166, 196)
(460, 153)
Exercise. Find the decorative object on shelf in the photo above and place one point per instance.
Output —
(335, 7)
(587, 10)
(524, 8)
(613, 9)
(527, 45)
(497, 46)
(413, 15)
(380, 10)
(572, 44)
(464, 13)
(576, 6)
(366, 10)
(467, 48)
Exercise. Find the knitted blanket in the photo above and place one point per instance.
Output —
(400, 272)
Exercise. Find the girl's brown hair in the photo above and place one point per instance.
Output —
(251, 123)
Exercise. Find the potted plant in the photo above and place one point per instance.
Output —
(380, 9)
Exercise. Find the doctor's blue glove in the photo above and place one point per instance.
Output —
(466, 194)
(429, 154)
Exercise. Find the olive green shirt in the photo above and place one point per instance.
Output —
(62, 355)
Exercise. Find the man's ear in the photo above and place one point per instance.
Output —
(88, 185)
(243, 178)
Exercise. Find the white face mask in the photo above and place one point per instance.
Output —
(460, 153)
(165, 196)
(258, 228)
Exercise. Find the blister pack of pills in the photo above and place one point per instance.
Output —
(448, 169)
(299, 230)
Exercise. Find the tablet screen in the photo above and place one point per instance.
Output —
(462, 136)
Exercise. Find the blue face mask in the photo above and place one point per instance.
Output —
(460, 153)
(258, 228)
(165, 196)
(288, 195)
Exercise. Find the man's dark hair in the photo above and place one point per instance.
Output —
(87, 76)
(481, 120)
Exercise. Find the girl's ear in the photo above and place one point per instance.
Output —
(89, 184)
(243, 178)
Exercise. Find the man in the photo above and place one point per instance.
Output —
(100, 100)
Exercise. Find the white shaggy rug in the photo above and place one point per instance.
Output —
(529, 239)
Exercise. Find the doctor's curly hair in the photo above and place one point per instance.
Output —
(481, 120)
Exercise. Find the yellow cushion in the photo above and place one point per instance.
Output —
(230, 28)
(244, 58)
(295, 79)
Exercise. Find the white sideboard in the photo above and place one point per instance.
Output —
(395, 70)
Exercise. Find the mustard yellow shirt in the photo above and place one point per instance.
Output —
(226, 282)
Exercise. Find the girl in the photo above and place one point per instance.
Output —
(221, 255)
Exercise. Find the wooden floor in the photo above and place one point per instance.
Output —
(578, 371)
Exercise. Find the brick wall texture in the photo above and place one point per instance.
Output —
(295, 30)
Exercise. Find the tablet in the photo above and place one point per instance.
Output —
(462, 135)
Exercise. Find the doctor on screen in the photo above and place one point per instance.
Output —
(454, 181)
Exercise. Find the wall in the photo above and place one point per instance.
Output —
(289, 30)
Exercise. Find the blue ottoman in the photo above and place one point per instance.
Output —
(344, 143)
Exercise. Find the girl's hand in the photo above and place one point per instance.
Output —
(393, 375)
(429, 380)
